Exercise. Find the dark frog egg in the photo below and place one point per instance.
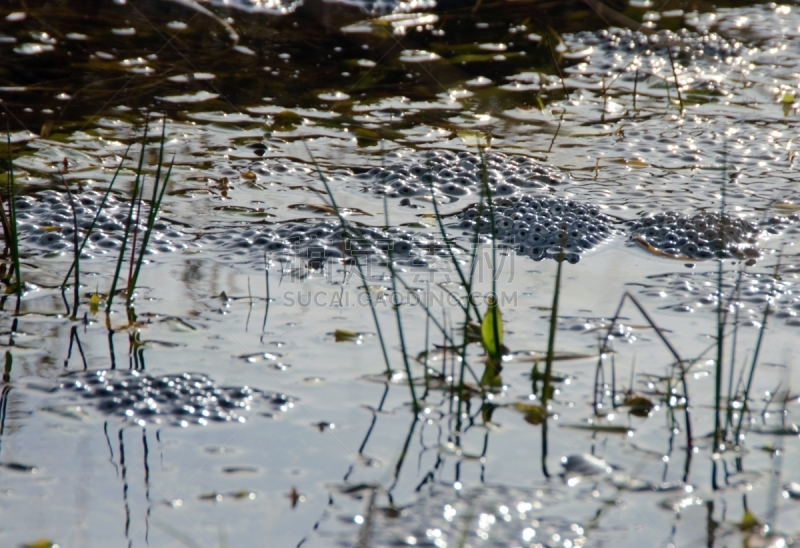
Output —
(453, 189)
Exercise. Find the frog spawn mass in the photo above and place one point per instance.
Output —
(451, 176)
(745, 294)
(539, 226)
(706, 235)
(635, 56)
(176, 399)
(536, 226)
(45, 221)
(320, 241)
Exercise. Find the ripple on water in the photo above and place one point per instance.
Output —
(485, 516)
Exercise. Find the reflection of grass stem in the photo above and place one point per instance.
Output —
(762, 329)
(425, 362)
(401, 459)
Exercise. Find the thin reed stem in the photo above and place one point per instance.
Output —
(365, 286)
(551, 340)
(396, 306)
(155, 206)
(76, 261)
(12, 220)
(126, 234)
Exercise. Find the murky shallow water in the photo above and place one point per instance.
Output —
(334, 455)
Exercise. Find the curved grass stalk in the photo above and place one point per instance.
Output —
(756, 352)
(551, 341)
(365, 286)
(396, 306)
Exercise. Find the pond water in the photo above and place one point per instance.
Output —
(247, 390)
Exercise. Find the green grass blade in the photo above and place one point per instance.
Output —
(154, 209)
(451, 253)
(155, 205)
(126, 235)
(396, 306)
(551, 340)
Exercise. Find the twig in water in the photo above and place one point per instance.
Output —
(555, 135)
(76, 260)
(675, 75)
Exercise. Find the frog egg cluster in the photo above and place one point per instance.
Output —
(539, 226)
(711, 46)
(45, 222)
(456, 175)
(749, 294)
(180, 400)
(706, 235)
(324, 240)
(634, 55)
(506, 516)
